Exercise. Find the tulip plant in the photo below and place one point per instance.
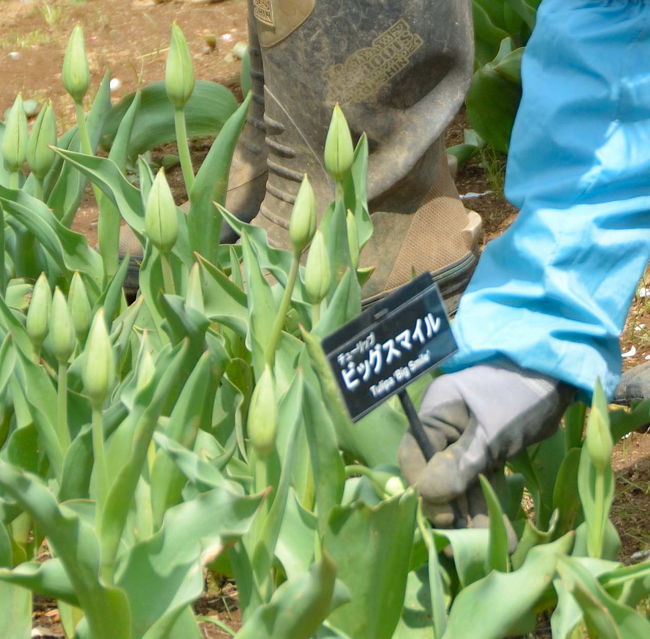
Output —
(198, 428)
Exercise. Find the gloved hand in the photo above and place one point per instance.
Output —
(475, 419)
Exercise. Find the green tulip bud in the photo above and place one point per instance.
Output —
(339, 150)
(353, 238)
(40, 156)
(38, 313)
(79, 306)
(194, 297)
(14, 142)
(98, 373)
(263, 415)
(76, 73)
(317, 269)
(179, 73)
(62, 336)
(160, 221)
(302, 225)
(598, 438)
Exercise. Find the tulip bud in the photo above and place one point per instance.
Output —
(40, 156)
(317, 269)
(179, 73)
(79, 306)
(62, 336)
(339, 150)
(76, 73)
(353, 238)
(263, 415)
(38, 312)
(302, 225)
(194, 297)
(160, 221)
(99, 369)
(14, 141)
(598, 438)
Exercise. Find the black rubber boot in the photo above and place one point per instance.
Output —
(399, 69)
(247, 179)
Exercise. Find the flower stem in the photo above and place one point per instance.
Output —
(101, 469)
(282, 311)
(184, 150)
(62, 408)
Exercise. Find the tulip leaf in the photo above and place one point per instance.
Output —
(75, 544)
(202, 524)
(371, 548)
(472, 613)
(16, 611)
(498, 544)
(47, 578)
(206, 111)
(298, 607)
(68, 249)
(211, 184)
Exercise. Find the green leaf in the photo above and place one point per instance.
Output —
(206, 112)
(493, 100)
(75, 544)
(150, 402)
(201, 525)
(603, 615)
(297, 608)
(46, 578)
(261, 305)
(211, 184)
(328, 467)
(16, 611)
(68, 249)
(473, 612)
(498, 544)
(371, 547)
(223, 300)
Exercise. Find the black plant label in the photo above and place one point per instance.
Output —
(390, 345)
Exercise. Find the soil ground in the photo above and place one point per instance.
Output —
(130, 38)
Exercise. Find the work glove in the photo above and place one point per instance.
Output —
(475, 419)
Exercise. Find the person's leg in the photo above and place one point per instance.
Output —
(399, 69)
(544, 310)
(552, 293)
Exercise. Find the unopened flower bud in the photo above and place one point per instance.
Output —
(263, 415)
(179, 73)
(339, 150)
(160, 221)
(317, 269)
(99, 369)
(38, 313)
(62, 336)
(598, 438)
(76, 73)
(353, 238)
(79, 306)
(40, 155)
(302, 225)
(14, 141)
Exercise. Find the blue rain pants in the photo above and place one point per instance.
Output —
(553, 292)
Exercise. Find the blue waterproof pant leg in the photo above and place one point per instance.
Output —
(553, 292)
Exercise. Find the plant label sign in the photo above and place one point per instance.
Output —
(388, 346)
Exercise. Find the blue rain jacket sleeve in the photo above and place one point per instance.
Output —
(553, 292)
